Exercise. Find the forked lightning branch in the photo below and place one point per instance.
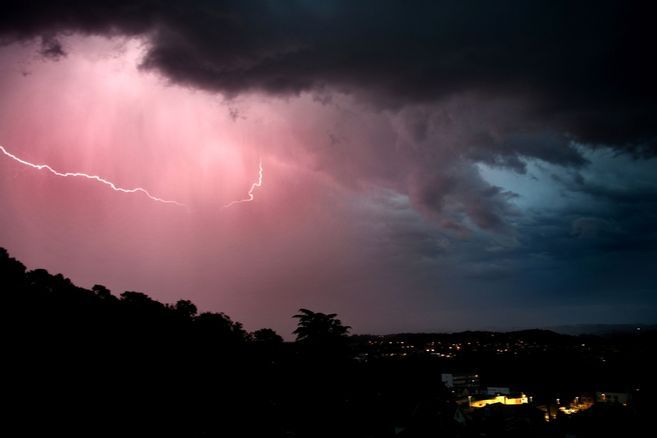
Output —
(117, 188)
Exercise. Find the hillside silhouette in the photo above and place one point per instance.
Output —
(86, 362)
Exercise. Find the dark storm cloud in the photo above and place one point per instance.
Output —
(456, 193)
(407, 99)
(610, 214)
(585, 68)
(51, 49)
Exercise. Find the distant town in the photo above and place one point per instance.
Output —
(86, 362)
(530, 375)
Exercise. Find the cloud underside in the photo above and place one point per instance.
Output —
(587, 68)
(496, 83)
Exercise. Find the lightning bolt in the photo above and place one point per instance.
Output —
(251, 190)
(92, 177)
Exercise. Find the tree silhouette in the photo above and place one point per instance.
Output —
(102, 292)
(321, 336)
(12, 271)
(219, 328)
(186, 309)
(266, 336)
(317, 327)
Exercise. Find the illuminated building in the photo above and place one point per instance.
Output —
(502, 399)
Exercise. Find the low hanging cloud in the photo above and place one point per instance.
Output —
(51, 49)
(581, 68)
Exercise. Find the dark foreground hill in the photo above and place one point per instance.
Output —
(88, 363)
(81, 362)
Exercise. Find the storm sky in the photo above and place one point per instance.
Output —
(426, 165)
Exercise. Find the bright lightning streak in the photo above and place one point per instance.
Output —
(251, 190)
(84, 175)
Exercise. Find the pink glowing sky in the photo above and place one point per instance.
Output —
(96, 112)
(340, 223)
